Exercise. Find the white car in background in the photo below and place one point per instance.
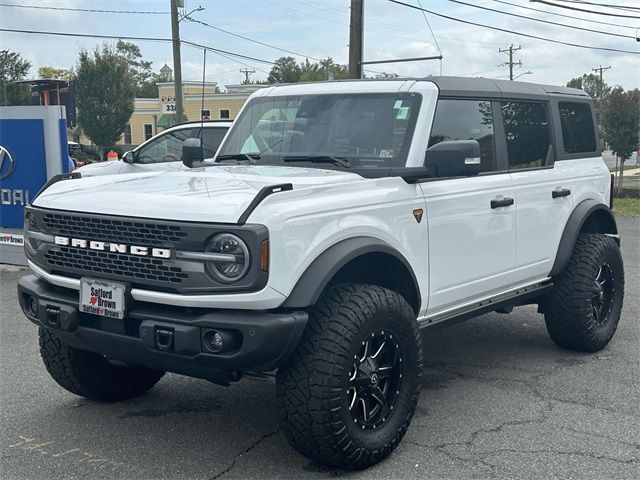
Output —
(163, 151)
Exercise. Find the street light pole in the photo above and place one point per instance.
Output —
(177, 63)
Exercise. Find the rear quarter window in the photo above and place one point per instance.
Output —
(578, 132)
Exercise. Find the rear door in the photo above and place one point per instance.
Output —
(472, 243)
(543, 191)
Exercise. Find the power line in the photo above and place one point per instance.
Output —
(606, 5)
(396, 28)
(562, 15)
(540, 20)
(250, 39)
(369, 30)
(142, 39)
(91, 10)
(528, 35)
(585, 10)
(433, 35)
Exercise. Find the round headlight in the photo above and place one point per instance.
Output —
(233, 257)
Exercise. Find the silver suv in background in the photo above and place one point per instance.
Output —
(163, 151)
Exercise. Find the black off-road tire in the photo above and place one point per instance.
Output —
(569, 316)
(90, 375)
(311, 388)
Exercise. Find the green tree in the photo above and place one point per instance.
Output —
(53, 72)
(590, 83)
(621, 124)
(144, 79)
(285, 70)
(105, 90)
(385, 76)
(322, 70)
(14, 68)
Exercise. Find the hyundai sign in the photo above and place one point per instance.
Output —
(33, 148)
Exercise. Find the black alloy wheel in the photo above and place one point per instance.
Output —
(602, 295)
(374, 381)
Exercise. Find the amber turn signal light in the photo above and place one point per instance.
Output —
(264, 256)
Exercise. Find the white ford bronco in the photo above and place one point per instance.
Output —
(336, 221)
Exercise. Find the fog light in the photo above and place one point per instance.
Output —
(215, 342)
(32, 304)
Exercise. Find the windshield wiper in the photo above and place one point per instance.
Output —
(247, 157)
(343, 162)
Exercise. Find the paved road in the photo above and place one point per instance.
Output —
(500, 400)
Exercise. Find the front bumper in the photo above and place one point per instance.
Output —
(167, 338)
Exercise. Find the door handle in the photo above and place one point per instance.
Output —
(562, 192)
(503, 202)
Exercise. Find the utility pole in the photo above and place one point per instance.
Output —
(177, 63)
(246, 73)
(356, 27)
(601, 85)
(510, 51)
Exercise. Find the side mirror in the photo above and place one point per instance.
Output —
(454, 158)
(192, 152)
(129, 157)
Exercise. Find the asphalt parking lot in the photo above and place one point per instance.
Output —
(500, 401)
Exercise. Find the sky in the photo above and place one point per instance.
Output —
(317, 29)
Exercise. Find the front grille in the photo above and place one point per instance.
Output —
(126, 266)
(110, 230)
(174, 274)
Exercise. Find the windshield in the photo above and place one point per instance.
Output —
(336, 130)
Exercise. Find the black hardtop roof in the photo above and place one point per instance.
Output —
(482, 87)
(464, 86)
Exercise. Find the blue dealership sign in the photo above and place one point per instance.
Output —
(33, 148)
(23, 170)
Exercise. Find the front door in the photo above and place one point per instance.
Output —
(471, 221)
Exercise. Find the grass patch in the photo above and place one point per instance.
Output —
(626, 206)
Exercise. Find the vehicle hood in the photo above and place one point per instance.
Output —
(101, 168)
(213, 194)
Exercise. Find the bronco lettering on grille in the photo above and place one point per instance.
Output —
(112, 247)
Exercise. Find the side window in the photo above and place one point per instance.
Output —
(126, 135)
(211, 140)
(528, 134)
(165, 148)
(466, 120)
(148, 131)
(578, 133)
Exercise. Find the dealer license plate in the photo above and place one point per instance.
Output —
(102, 298)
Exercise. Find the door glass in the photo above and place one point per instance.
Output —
(466, 120)
(211, 139)
(165, 148)
(528, 134)
(578, 133)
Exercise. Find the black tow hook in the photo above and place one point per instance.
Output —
(164, 339)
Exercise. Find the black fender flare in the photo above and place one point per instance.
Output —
(574, 226)
(319, 273)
